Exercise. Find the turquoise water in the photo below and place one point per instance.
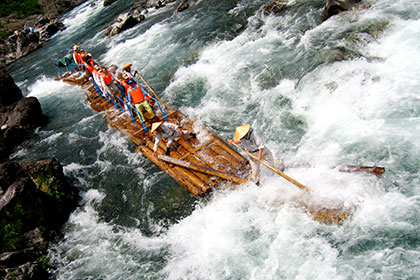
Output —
(322, 95)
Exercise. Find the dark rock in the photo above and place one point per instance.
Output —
(124, 22)
(160, 4)
(182, 7)
(35, 203)
(54, 8)
(108, 2)
(274, 7)
(49, 178)
(26, 114)
(27, 271)
(335, 7)
(9, 172)
(16, 258)
(43, 21)
(51, 29)
(19, 115)
(20, 211)
(9, 91)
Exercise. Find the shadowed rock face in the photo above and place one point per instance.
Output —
(19, 115)
(137, 12)
(335, 7)
(45, 25)
(35, 201)
(54, 8)
(35, 197)
(9, 91)
(274, 7)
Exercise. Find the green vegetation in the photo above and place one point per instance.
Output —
(11, 236)
(21, 8)
(43, 262)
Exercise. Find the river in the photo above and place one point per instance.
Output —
(321, 95)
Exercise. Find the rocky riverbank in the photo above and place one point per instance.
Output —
(30, 33)
(137, 13)
(35, 197)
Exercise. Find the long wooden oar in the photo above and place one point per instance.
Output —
(274, 169)
(322, 214)
(154, 93)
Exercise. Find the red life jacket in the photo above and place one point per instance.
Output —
(77, 56)
(82, 55)
(137, 95)
(106, 76)
(88, 67)
(125, 85)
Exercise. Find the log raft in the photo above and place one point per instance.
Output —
(198, 165)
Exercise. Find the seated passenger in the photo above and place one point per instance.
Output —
(106, 81)
(139, 99)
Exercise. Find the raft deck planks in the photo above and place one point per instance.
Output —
(213, 154)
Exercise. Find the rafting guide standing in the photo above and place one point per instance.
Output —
(246, 136)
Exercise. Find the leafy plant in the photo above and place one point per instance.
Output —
(11, 236)
(21, 8)
(43, 262)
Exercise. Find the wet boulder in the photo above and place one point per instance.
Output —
(274, 7)
(50, 29)
(335, 7)
(19, 115)
(35, 201)
(124, 22)
(109, 2)
(182, 6)
(9, 91)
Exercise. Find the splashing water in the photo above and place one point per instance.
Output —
(322, 94)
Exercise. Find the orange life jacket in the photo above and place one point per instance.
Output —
(136, 94)
(88, 66)
(77, 56)
(106, 76)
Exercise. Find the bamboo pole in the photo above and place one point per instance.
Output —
(303, 187)
(154, 93)
(318, 213)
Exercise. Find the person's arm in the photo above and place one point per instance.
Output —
(230, 141)
(155, 147)
(75, 59)
(260, 153)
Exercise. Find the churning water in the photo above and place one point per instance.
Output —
(321, 94)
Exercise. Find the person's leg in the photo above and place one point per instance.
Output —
(255, 167)
(277, 163)
(139, 112)
(169, 143)
(148, 108)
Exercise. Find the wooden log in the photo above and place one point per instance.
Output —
(229, 149)
(228, 157)
(375, 170)
(174, 172)
(203, 169)
(197, 182)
